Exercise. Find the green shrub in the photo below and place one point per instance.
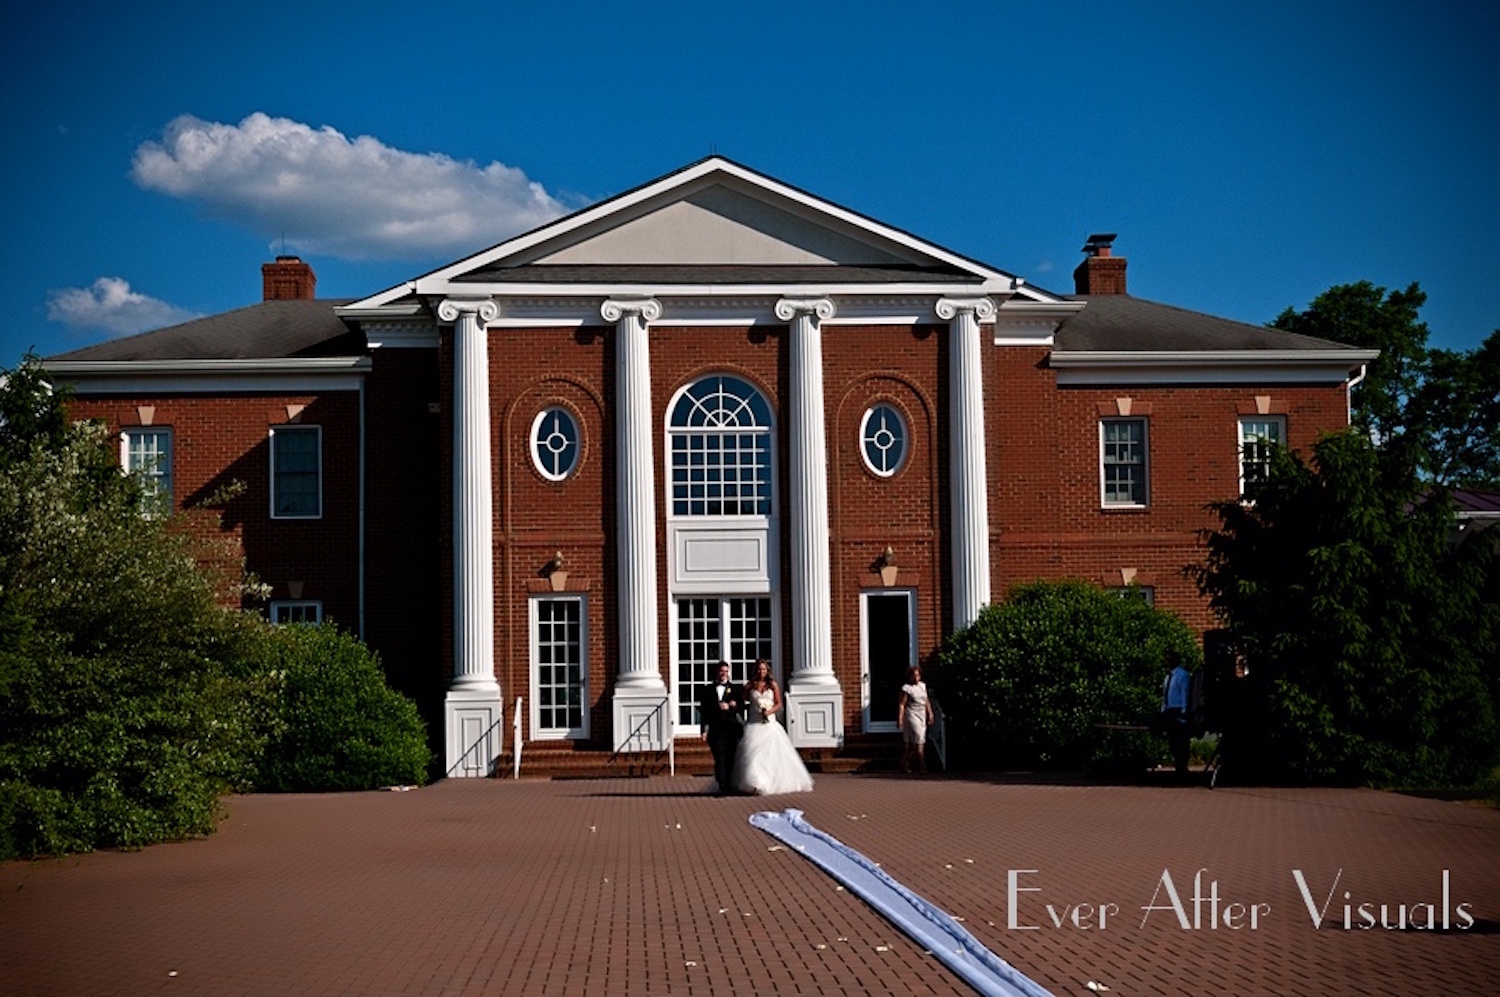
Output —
(339, 726)
(121, 718)
(1026, 683)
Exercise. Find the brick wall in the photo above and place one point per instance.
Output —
(219, 441)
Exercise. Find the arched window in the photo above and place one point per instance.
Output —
(720, 439)
(554, 443)
(882, 440)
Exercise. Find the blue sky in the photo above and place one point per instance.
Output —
(1249, 156)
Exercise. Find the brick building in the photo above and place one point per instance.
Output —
(714, 417)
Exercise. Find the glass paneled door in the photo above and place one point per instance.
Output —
(710, 630)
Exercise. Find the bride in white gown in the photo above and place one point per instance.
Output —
(767, 763)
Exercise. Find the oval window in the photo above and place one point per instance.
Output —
(554, 443)
(882, 440)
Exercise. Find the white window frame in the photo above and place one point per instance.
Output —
(865, 440)
(308, 607)
(1145, 593)
(538, 732)
(767, 433)
(534, 441)
(317, 432)
(156, 497)
(1144, 499)
(684, 729)
(1276, 422)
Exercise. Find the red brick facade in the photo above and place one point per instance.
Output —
(380, 557)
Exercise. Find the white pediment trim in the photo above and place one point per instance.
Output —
(584, 237)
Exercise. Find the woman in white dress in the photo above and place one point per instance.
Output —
(767, 763)
(915, 714)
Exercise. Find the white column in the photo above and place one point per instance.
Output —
(815, 703)
(969, 484)
(473, 707)
(639, 688)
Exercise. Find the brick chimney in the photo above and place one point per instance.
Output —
(288, 279)
(1101, 272)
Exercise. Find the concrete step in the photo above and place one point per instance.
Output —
(577, 760)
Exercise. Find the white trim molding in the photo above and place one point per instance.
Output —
(1095, 367)
(296, 374)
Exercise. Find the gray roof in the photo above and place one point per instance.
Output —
(285, 329)
(587, 273)
(269, 330)
(1121, 323)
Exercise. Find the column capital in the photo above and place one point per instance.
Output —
(613, 309)
(789, 308)
(982, 307)
(452, 309)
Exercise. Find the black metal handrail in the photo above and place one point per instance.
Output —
(635, 735)
(477, 742)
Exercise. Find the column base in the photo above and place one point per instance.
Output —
(641, 721)
(815, 714)
(474, 731)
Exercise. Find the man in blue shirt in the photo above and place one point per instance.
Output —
(1175, 693)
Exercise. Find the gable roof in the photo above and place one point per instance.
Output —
(712, 222)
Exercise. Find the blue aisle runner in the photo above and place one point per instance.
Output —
(948, 940)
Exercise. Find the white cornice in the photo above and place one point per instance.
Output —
(400, 335)
(431, 286)
(305, 374)
(710, 306)
(1085, 367)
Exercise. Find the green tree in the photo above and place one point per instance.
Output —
(1365, 629)
(1443, 405)
(130, 697)
(1025, 683)
(121, 721)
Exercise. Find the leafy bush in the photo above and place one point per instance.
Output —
(1024, 685)
(339, 725)
(130, 698)
(121, 721)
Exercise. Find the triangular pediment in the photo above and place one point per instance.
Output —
(715, 215)
(719, 225)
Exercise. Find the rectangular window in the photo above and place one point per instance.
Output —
(296, 472)
(1258, 436)
(559, 667)
(284, 611)
(147, 453)
(1122, 462)
(736, 630)
(1141, 593)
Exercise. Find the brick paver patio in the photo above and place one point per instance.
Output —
(649, 887)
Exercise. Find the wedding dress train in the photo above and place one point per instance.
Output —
(766, 763)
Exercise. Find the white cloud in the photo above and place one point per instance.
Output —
(326, 193)
(109, 305)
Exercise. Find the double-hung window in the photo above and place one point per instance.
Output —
(147, 453)
(1123, 462)
(296, 472)
(1259, 435)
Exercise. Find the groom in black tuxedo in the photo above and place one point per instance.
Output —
(721, 707)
